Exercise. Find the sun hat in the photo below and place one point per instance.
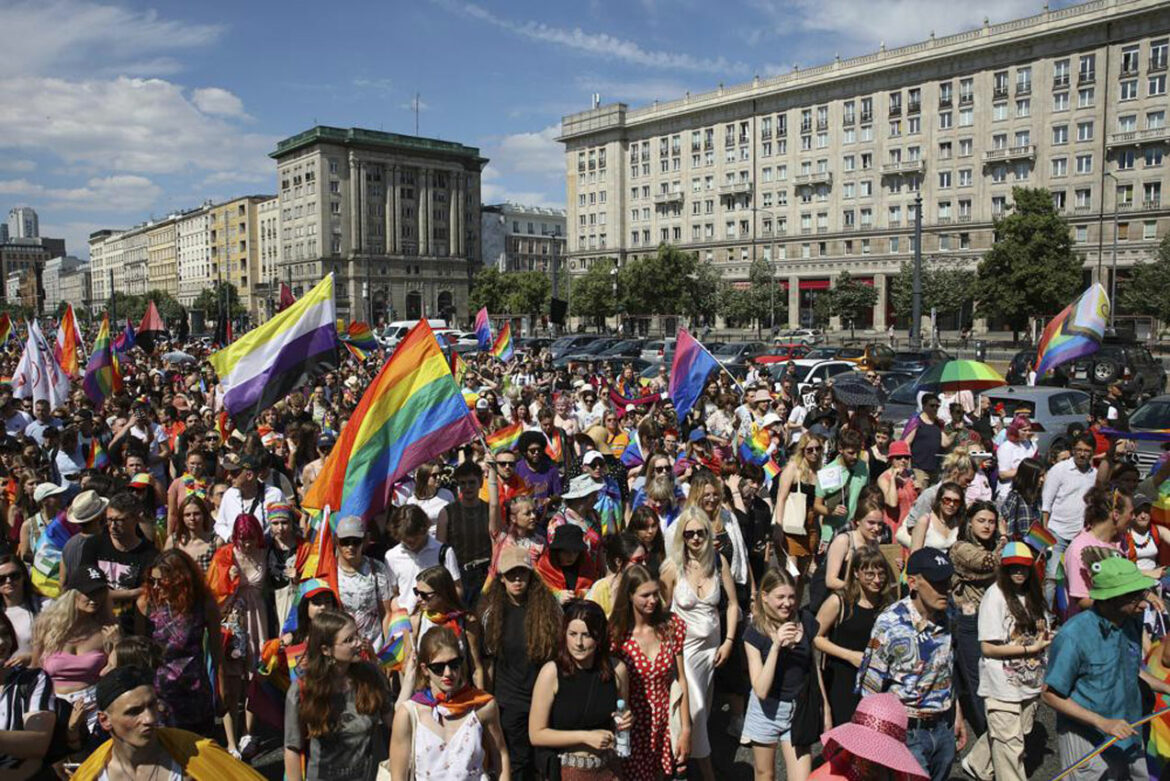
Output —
(513, 557)
(86, 507)
(899, 448)
(761, 395)
(1017, 553)
(771, 419)
(568, 537)
(580, 487)
(45, 490)
(1117, 576)
(877, 733)
(140, 480)
(482, 404)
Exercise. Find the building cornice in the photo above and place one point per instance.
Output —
(359, 138)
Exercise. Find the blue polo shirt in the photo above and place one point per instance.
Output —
(1096, 664)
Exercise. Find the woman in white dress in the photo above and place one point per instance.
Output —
(699, 578)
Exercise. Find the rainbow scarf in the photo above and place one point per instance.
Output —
(451, 620)
(445, 706)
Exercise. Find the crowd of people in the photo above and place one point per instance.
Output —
(582, 602)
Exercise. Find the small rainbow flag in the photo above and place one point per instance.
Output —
(102, 378)
(458, 367)
(483, 330)
(392, 656)
(97, 458)
(361, 336)
(1039, 538)
(754, 447)
(1075, 332)
(632, 455)
(67, 350)
(399, 623)
(358, 353)
(771, 472)
(502, 349)
(505, 438)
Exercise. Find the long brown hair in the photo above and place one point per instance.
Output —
(622, 617)
(182, 587)
(182, 533)
(320, 689)
(593, 617)
(773, 578)
(437, 638)
(542, 620)
(1027, 614)
(865, 557)
(439, 579)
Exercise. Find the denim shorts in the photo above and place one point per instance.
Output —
(768, 721)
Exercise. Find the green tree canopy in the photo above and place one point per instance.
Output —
(947, 289)
(1031, 268)
(592, 295)
(514, 293)
(1145, 293)
(669, 282)
(848, 299)
(211, 299)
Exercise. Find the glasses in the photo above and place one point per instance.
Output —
(812, 449)
(950, 500)
(9, 577)
(694, 534)
(661, 470)
(516, 575)
(505, 464)
(423, 595)
(443, 667)
(350, 542)
(595, 464)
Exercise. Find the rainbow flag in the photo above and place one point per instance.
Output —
(410, 413)
(359, 335)
(45, 572)
(1039, 539)
(458, 368)
(274, 359)
(772, 470)
(1075, 332)
(469, 397)
(321, 562)
(502, 348)
(1160, 511)
(358, 353)
(102, 378)
(754, 447)
(689, 371)
(632, 455)
(483, 330)
(5, 328)
(67, 351)
(97, 457)
(504, 438)
(392, 655)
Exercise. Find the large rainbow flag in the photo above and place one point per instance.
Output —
(1075, 332)
(102, 378)
(410, 413)
(269, 362)
(502, 348)
(67, 351)
(689, 371)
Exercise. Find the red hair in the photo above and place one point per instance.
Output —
(246, 526)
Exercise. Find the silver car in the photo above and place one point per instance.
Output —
(1154, 415)
(1055, 409)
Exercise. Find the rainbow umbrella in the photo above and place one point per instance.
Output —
(960, 375)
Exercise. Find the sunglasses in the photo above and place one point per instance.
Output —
(443, 668)
(661, 470)
(694, 534)
(633, 560)
(423, 595)
(516, 575)
(505, 464)
(350, 542)
(812, 450)
(10, 577)
(950, 500)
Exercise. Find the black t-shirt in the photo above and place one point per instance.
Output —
(124, 570)
(926, 446)
(793, 665)
(515, 673)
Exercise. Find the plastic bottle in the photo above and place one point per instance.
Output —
(621, 742)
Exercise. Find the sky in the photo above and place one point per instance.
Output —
(116, 112)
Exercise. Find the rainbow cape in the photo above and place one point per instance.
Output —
(411, 412)
(504, 438)
(102, 378)
(483, 330)
(754, 447)
(1075, 332)
(46, 569)
(502, 348)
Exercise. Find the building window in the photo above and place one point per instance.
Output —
(1060, 166)
(1060, 101)
(1085, 131)
(1060, 134)
(1085, 164)
(1129, 90)
(1085, 97)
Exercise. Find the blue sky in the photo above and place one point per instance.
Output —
(115, 112)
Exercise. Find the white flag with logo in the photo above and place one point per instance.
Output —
(38, 375)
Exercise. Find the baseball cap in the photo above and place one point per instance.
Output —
(250, 462)
(326, 440)
(482, 404)
(230, 462)
(697, 435)
(591, 456)
(350, 526)
(512, 557)
(1117, 576)
(930, 563)
(88, 580)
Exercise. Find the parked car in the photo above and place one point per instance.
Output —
(533, 344)
(901, 405)
(393, 333)
(590, 352)
(825, 353)
(570, 344)
(626, 348)
(891, 381)
(870, 356)
(1154, 415)
(1141, 374)
(783, 353)
(802, 335)
(918, 361)
(738, 352)
(1053, 408)
(659, 351)
(811, 376)
(1017, 373)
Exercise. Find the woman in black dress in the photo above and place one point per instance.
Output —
(845, 621)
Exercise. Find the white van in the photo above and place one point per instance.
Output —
(393, 333)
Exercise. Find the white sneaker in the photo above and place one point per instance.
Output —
(248, 747)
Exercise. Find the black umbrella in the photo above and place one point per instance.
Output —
(855, 391)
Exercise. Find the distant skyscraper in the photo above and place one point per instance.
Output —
(23, 223)
(3, 233)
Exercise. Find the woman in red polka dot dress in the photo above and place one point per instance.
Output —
(649, 639)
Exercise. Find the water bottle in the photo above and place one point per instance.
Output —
(621, 738)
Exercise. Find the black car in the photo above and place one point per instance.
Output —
(738, 352)
(1017, 373)
(1141, 374)
(627, 348)
(918, 361)
(572, 344)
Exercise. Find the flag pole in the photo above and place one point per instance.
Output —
(718, 363)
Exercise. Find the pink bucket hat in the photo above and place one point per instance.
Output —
(877, 733)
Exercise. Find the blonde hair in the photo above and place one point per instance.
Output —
(958, 461)
(798, 457)
(55, 624)
(679, 553)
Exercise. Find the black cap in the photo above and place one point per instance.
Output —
(88, 580)
(569, 537)
(251, 462)
(930, 563)
(118, 681)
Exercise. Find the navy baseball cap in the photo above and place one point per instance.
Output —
(930, 563)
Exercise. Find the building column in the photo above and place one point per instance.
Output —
(793, 301)
(461, 213)
(355, 224)
(453, 215)
(363, 207)
(424, 211)
(879, 312)
(392, 210)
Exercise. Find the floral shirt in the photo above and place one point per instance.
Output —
(910, 656)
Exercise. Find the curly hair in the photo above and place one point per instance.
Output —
(542, 620)
(182, 587)
(320, 688)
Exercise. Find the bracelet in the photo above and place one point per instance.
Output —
(727, 640)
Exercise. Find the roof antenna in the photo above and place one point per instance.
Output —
(416, 110)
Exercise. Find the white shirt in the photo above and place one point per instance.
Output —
(16, 424)
(1009, 680)
(233, 505)
(1063, 497)
(590, 416)
(405, 564)
(1009, 455)
(433, 506)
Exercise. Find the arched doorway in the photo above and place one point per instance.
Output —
(446, 306)
(414, 305)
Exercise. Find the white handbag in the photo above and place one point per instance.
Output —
(795, 518)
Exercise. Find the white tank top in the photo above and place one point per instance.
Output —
(458, 759)
(1145, 548)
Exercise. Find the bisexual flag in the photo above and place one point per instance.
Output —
(483, 330)
(688, 374)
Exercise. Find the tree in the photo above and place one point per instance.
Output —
(946, 289)
(592, 295)
(489, 289)
(1031, 268)
(212, 299)
(848, 299)
(1145, 291)
(528, 293)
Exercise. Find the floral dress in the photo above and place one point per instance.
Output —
(650, 680)
(181, 680)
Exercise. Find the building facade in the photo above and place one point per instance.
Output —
(134, 259)
(524, 238)
(75, 287)
(816, 171)
(18, 256)
(162, 258)
(23, 223)
(193, 249)
(396, 218)
(234, 239)
(55, 270)
(267, 289)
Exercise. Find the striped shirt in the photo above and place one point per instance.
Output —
(26, 691)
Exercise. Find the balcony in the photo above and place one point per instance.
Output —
(849, 227)
(965, 217)
(944, 101)
(896, 223)
(822, 125)
(896, 111)
(805, 128)
(805, 231)
(1129, 68)
(1125, 206)
(1156, 66)
(1025, 152)
(1000, 92)
(914, 107)
(849, 120)
(1086, 77)
(822, 229)
(811, 180)
(966, 98)
(736, 188)
(904, 167)
(1060, 82)
(1139, 137)
(866, 116)
(1024, 89)
(943, 220)
(662, 199)
(1150, 204)
(1085, 209)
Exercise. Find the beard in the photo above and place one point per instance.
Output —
(660, 489)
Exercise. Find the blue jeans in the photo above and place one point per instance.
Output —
(934, 748)
(1054, 557)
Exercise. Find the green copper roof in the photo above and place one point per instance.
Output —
(356, 136)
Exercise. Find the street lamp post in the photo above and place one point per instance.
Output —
(613, 274)
(771, 270)
(916, 302)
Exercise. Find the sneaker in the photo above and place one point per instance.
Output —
(967, 770)
(235, 753)
(248, 747)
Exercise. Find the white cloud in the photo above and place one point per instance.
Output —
(74, 37)
(213, 100)
(109, 193)
(18, 166)
(375, 85)
(537, 153)
(597, 44)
